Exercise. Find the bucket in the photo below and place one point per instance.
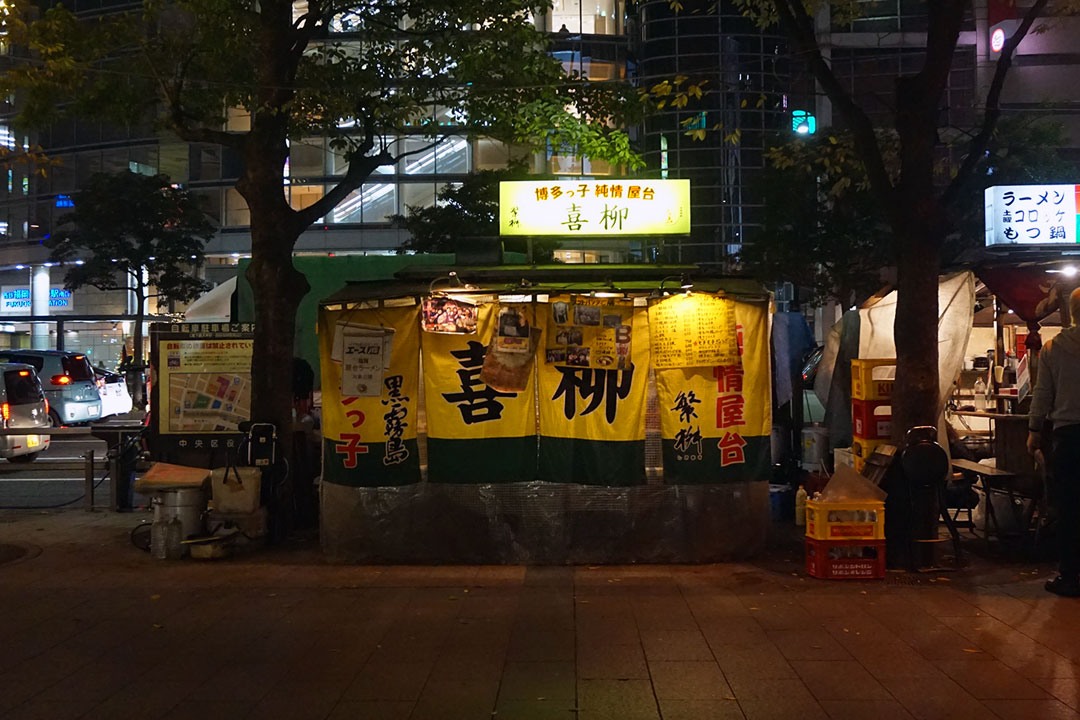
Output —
(187, 505)
(815, 443)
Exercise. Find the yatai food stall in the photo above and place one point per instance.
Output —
(563, 413)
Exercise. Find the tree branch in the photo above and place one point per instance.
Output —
(800, 30)
(361, 165)
(977, 147)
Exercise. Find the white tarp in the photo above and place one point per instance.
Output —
(956, 311)
(214, 305)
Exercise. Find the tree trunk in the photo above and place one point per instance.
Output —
(277, 288)
(914, 500)
(915, 330)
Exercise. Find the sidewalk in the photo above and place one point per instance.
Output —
(91, 627)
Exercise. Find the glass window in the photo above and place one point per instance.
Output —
(416, 195)
(379, 202)
(301, 196)
(63, 175)
(239, 120)
(306, 158)
(452, 156)
(422, 159)
(339, 166)
(209, 200)
(348, 210)
(89, 163)
(236, 209)
(114, 161)
(205, 162)
(490, 154)
(591, 17)
(22, 387)
(77, 367)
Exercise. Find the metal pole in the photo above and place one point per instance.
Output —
(114, 477)
(89, 457)
(59, 334)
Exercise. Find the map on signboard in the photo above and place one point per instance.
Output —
(693, 330)
(207, 383)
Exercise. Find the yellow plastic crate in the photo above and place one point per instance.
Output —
(862, 449)
(869, 379)
(863, 520)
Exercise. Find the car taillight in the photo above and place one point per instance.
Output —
(101, 382)
(5, 411)
(61, 380)
(46, 406)
(24, 373)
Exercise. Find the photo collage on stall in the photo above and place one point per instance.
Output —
(589, 332)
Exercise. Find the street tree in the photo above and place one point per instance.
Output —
(466, 212)
(824, 229)
(369, 75)
(138, 234)
(919, 211)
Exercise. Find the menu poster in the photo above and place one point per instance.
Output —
(693, 330)
(445, 315)
(362, 364)
(589, 333)
(363, 351)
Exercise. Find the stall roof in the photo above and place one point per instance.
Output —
(547, 279)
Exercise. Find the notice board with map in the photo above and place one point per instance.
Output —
(201, 385)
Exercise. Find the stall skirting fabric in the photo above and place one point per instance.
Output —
(546, 523)
(482, 460)
(611, 463)
(755, 459)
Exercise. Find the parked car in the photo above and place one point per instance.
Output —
(112, 387)
(22, 405)
(68, 382)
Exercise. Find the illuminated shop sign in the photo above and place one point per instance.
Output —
(1032, 215)
(594, 207)
(14, 299)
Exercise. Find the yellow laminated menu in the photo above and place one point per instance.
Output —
(693, 330)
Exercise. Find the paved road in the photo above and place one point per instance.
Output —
(56, 477)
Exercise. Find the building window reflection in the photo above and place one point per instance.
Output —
(589, 17)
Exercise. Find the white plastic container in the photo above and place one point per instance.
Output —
(815, 443)
(236, 490)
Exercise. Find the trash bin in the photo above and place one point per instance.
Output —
(185, 504)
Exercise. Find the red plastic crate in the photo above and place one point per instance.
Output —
(845, 559)
(871, 419)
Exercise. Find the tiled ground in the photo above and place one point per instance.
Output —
(93, 628)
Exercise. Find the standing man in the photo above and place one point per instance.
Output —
(1057, 397)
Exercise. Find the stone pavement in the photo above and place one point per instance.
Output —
(91, 627)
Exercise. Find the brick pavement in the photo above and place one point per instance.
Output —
(92, 628)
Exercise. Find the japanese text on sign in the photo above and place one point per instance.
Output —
(693, 331)
(476, 401)
(628, 207)
(1032, 214)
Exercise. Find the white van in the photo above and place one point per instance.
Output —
(22, 405)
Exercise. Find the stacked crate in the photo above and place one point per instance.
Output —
(871, 407)
(845, 540)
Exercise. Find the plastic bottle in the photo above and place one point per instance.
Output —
(980, 394)
(800, 507)
(174, 530)
(157, 539)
